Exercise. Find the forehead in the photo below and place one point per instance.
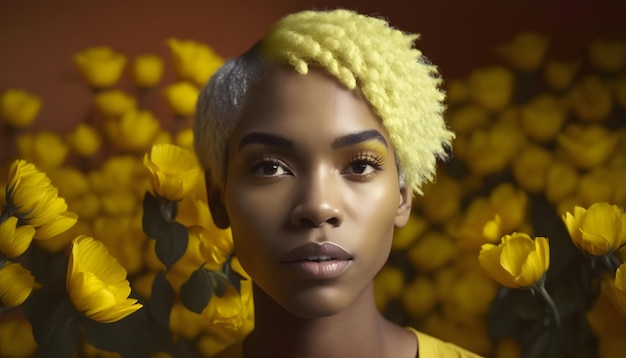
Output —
(285, 102)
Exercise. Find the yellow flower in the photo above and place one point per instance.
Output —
(599, 230)
(194, 61)
(115, 103)
(561, 181)
(587, 147)
(441, 200)
(525, 52)
(616, 290)
(467, 118)
(518, 261)
(542, 118)
(591, 99)
(490, 150)
(559, 75)
(403, 237)
(46, 149)
(84, 140)
(100, 67)
(18, 108)
(135, 131)
(531, 166)
(147, 70)
(16, 284)
(181, 98)
(19, 332)
(595, 186)
(492, 87)
(35, 200)
(216, 245)
(456, 92)
(14, 240)
(419, 297)
(184, 139)
(432, 251)
(608, 55)
(509, 205)
(97, 283)
(173, 171)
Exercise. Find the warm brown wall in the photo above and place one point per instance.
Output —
(38, 38)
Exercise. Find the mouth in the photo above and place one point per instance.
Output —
(326, 251)
(318, 261)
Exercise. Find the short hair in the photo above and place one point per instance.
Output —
(361, 52)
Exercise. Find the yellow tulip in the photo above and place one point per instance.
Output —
(541, 119)
(598, 230)
(472, 292)
(84, 140)
(492, 87)
(608, 55)
(587, 147)
(431, 252)
(147, 70)
(518, 261)
(561, 181)
(490, 150)
(194, 61)
(510, 205)
(45, 149)
(96, 282)
(456, 92)
(617, 290)
(559, 75)
(135, 131)
(16, 284)
(100, 67)
(35, 200)
(232, 314)
(116, 172)
(216, 245)
(115, 103)
(525, 52)
(531, 166)
(181, 98)
(14, 240)
(591, 99)
(173, 171)
(19, 332)
(467, 118)
(19, 108)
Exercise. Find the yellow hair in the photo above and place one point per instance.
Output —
(399, 83)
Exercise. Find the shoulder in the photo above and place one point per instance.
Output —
(429, 346)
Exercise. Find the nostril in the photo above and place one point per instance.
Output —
(333, 221)
(307, 223)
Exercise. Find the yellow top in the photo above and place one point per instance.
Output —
(428, 347)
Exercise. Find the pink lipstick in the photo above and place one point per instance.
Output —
(318, 261)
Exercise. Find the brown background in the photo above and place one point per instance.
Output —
(38, 38)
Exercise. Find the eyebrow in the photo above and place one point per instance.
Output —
(281, 142)
(267, 139)
(359, 137)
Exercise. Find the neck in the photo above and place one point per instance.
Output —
(358, 331)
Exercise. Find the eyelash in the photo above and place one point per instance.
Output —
(375, 161)
(262, 163)
(366, 158)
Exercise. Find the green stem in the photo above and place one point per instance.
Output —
(546, 296)
(611, 262)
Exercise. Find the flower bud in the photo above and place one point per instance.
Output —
(84, 140)
(100, 67)
(147, 70)
(16, 284)
(19, 108)
(599, 230)
(181, 98)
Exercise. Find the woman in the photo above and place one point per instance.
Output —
(314, 142)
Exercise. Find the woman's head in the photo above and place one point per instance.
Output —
(362, 53)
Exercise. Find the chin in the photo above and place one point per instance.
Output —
(318, 302)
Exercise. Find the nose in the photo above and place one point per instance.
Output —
(318, 203)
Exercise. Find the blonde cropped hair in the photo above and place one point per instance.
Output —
(360, 52)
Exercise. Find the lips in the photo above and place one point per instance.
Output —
(318, 261)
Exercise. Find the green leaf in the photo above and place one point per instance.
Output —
(171, 243)
(152, 221)
(162, 300)
(232, 276)
(219, 282)
(196, 293)
(128, 336)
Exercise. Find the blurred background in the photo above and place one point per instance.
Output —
(38, 39)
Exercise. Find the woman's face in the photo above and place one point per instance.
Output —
(312, 193)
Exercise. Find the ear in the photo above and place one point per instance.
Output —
(404, 207)
(215, 195)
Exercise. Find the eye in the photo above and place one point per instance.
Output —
(361, 167)
(269, 167)
(364, 165)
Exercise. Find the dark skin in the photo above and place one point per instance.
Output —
(310, 162)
